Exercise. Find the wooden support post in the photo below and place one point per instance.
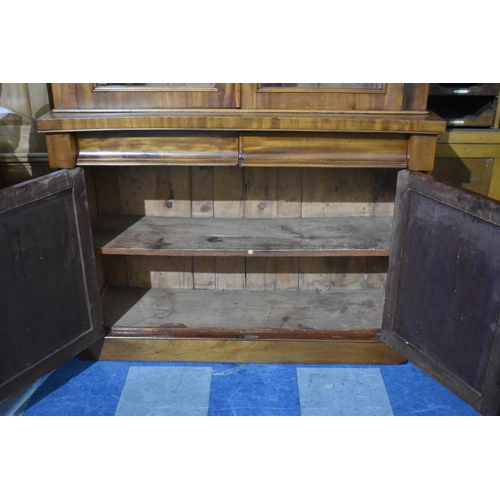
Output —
(421, 152)
(62, 150)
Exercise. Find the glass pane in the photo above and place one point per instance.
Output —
(324, 85)
(141, 85)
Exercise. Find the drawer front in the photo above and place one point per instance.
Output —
(323, 150)
(160, 148)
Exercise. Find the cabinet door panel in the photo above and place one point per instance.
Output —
(125, 96)
(442, 305)
(350, 97)
(49, 298)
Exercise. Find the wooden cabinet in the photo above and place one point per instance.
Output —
(235, 228)
(247, 235)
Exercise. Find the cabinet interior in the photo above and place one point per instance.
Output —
(174, 240)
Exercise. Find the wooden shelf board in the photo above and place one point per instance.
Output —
(186, 236)
(157, 312)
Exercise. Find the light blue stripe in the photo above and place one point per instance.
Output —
(342, 391)
(16, 404)
(166, 391)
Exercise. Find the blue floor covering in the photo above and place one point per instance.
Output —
(122, 388)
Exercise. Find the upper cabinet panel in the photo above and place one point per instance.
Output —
(346, 97)
(328, 97)
(338, 86)
(153, 96)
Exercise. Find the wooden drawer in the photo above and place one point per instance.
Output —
(160, 148)
(323, 150)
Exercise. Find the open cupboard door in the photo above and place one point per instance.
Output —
(442, 304)
(49, 296)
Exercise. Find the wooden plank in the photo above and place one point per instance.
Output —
(468, 150)
(228, 192)
(261, 190)
(202, 192)
(160, 272)
(287, 273)
(204, 273)
(230, 273)
(326, 273)
(338, 309)
(245, 351)
(469, 137)
(289, 192)
(127, 235)
(260, 273)
(107, 190)
(164, 191)
(376, 272)
(116, 272)
(348, 192)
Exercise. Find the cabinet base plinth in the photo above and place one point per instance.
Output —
(244, 351)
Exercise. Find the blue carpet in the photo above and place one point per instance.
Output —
(172, 388)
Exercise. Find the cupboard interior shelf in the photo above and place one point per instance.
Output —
(291, 237)
(287, 314)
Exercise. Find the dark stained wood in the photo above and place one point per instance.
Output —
(340, 309)
(443, 302)
(415, 96)
(336, 236)
(49, 296)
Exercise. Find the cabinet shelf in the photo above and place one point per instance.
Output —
(330, 314)
(287, 237)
